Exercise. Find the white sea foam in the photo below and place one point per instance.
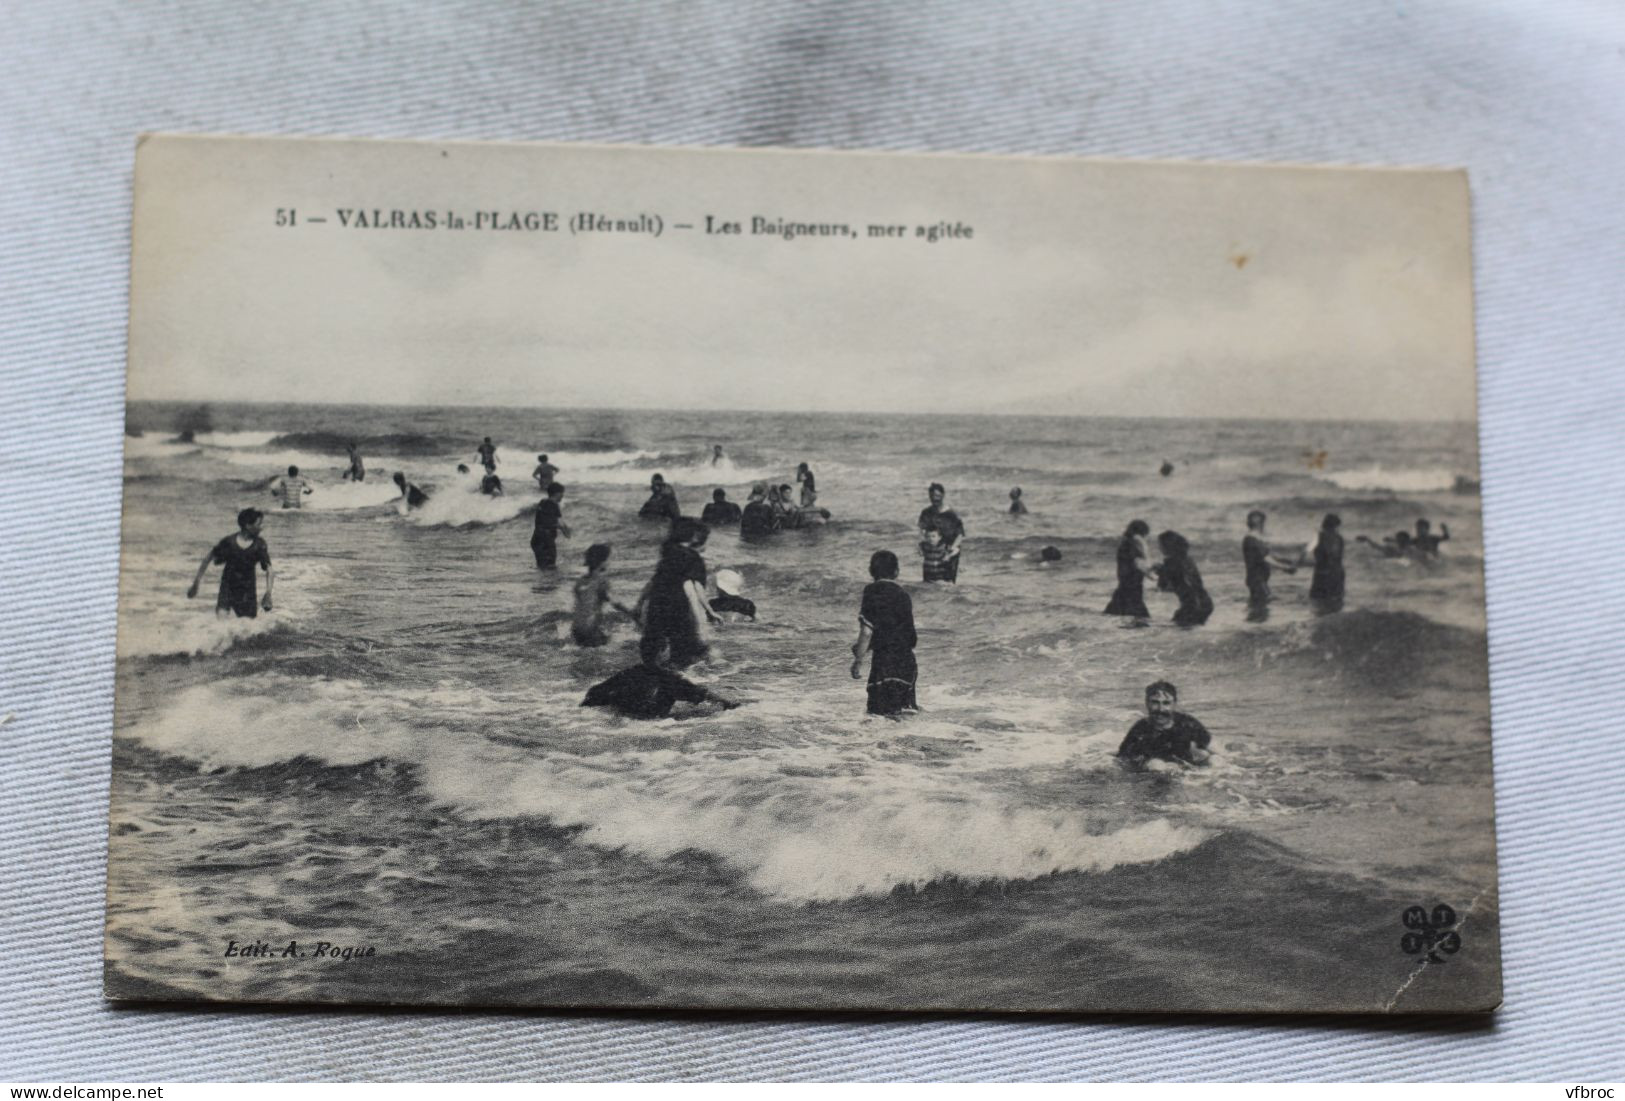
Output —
(329, 496)
(235, 439)
(459, 501)
(637, 467)
(154, 447)
(156, 618)
(828, 819)
(1376, 479)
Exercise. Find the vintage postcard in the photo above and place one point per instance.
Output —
(595, 576)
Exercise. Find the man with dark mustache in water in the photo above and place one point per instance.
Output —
(1165, 734)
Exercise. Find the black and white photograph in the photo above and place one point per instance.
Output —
(600, 576)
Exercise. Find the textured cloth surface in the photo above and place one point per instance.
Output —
(1529, 96)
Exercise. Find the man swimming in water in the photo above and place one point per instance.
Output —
(1397, 545)
(544, 473)
(662, 502)
(721, 510)
(1425, 543)
(411, 495)
(491, 485)
(1165, 734)
(239, 554)
(292, 489)
(487, 453)
(1017, 506)
(716, 454)
(357, 471)
(647, 692)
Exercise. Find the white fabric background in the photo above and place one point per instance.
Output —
(1530, 96)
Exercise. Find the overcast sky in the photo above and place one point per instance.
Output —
(1087, 288)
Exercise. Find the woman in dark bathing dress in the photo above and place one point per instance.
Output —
(1179, 575)
(886, 627)
(1133, 563)
(1326, 586)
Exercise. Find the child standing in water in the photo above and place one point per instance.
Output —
(935, 555)
(886, 628)
(592, 593)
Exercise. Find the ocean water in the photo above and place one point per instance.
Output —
(395, 756)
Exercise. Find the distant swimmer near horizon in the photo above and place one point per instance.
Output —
(358, 470)
(1165, 734)
(239, 554)
(1167, 468)
(644, 692)
(716, 454)
(1017, 506)
(411, 496)
(886, 629)
(1178, 574)
(1133, 567)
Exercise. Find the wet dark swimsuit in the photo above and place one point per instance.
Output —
(1326, 588)
(952, 529)
(1145, 742)
(668, 619)
(544, 540)
(644, 693)
(1256, 554)
(756, 521)
(660, 506)
(727, 602)
(893, 673)
(1129, 599)
(237, 581)
(718, 513)
(1181, 577)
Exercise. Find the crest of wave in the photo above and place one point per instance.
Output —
(808, 839)
(1375, 479)
(461, 502)
(157, 619)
